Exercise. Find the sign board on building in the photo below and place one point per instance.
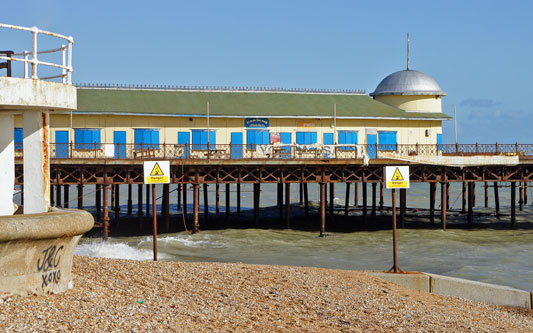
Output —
(156, 172)
(256, 122)
(396, 176)
(306, 124)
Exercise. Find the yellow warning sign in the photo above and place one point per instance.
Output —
(397, 177)
(156, 172)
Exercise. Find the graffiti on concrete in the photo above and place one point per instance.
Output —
(48, 263)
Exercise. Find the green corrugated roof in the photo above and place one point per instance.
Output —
(238, 103)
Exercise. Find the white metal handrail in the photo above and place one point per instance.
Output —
(66, 50)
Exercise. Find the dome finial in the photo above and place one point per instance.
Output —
(407, 51)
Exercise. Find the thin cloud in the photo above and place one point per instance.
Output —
(480, 103)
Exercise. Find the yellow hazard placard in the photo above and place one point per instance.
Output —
(396, 176)
(156, 172)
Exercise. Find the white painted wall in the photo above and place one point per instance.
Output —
(7, 161)
(36, 161)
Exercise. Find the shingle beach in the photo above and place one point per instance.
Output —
(123, 295)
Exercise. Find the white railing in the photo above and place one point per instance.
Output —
(31, 58)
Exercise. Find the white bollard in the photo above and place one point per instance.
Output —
(7, 163)
(36, 161)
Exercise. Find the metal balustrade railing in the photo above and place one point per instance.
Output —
(31, 58)
(276, 152)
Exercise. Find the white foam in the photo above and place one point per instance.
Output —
(111, 250)
(191, 241)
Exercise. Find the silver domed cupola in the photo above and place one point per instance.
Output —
(408, 82)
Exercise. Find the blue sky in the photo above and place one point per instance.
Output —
(480, 52)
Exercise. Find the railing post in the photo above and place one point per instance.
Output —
(456, 148)
(516, 147)
(69, 72)
(496, 148)
(476, 149)
(34, 54)
(64, 56)
(26, 54)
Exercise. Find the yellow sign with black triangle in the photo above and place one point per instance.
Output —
(397, 176)
(156, 172)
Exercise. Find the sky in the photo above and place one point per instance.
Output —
(479, 52)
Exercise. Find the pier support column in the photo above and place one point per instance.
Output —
(106, 211)
(374, 189)
(58, 195)
(147, 210)
(463, 206)
(432, 190)
(113, 187)
(184, 209)
(130, 201)
(447, 196)
(116, 204)
(98, 201)
(257, 189)
(36, 162)
(347, 199)
(196, 204)
(206, 202)
(496, 199)
(486, 194)
(66, 197)
(521, 196)
(217, 199)
(306, 200)
(228, 202)
(280, 199)
(364, 204)
(165, 207)
(322, 209)
(140, 206)
(288, 205)
(473, 194)
(238, 198)
(301, 193)
(403, 205)
(381, 195)
(443, 204)
(52, 202)
(331, 200)
(356, 195)
(179, 197)
(525, 193)
(513, 203)
(470, 202)
(80, 196)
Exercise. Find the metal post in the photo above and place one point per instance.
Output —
(58, 195)
(432, 188)
(306, 200)
(52, 203)
(356, 195)
(179, 196)
(130, 201)
(280, 199)
(288, 205)
(403, 205)
(227, 202)
(347, 199)
(147, 200)
(34, 54)
(381, 195)
(98, 201)
(486, 194)
(66, 197)
(364, 203)
(217, 199)
(374, 190)
(116, 204)
(301, 193)
(140, 205)
(394, 268)
(447, 196)
(521, 196)
(80, 196)
(443, 205)
(473, 194)
(496, 199)
(470, 203)
(322, 209)
(238, 198)
(154, 221)
(184, 209)
(206, 203)
(463, 209)
(331, 200)
(106, 211)
(196, 199)
(165, 207)
(256, 202)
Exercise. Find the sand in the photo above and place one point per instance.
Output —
(123, 295)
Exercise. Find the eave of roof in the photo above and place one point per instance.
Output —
(239, 104)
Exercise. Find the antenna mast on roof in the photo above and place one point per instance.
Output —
(407, 51)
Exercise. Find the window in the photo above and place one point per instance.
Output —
(146, 138)
(328, 138)
(439, 141)
(257, 137)
(199, 139)
(305, 138)
(87, 138)
(347, 138)
(387, 140)
(18, 138)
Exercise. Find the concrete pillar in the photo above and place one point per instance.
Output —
(36, 161)
(7, 161)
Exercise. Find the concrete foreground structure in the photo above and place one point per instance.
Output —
(450, 286)
(36, 251)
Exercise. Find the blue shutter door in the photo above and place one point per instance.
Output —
(250, 139)
(371, 140)
(119, 140)
(439, 141)
(96, 137)
(78, 139)
(212, 139)
(236, 142)
(138, 138)
(328, 138)
(387, 140)
(342, 138)
(62, 144)
(19, 137)
(155, 139)
(300, 138)
(285, 138)
(313, 137)
(266, 138)
(184, 138)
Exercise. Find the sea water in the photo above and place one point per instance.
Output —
(489, 252)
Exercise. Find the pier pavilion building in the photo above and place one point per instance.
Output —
(172, 122)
